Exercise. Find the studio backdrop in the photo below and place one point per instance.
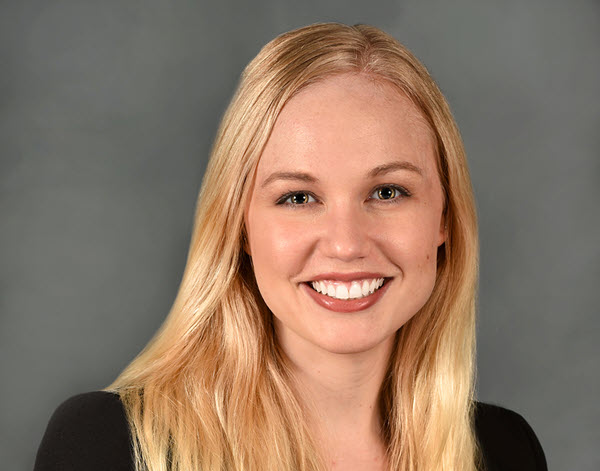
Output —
(107, 114)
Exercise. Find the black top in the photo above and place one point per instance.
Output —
(89, 432)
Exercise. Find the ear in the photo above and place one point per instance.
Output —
(443, 230)
(245, 242)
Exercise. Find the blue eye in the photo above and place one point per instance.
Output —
(296, 198)
(389, 193)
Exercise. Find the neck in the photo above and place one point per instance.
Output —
(340, 391)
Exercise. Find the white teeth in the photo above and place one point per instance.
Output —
(353, 290)
(341, 292)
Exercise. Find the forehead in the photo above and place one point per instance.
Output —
(351, 119)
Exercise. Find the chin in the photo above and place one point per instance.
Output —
(345, 345)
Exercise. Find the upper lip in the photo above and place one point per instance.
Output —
(362, 275)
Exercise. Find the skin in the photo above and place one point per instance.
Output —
(337, 131)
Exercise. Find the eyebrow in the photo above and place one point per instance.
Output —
(394, 166)
(300, 176)
(375, 172)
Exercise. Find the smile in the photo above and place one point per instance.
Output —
(347, 290)
(349, 295)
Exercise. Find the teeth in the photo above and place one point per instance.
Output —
(341, 292)
(353, 290)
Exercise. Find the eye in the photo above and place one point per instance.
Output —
(389, 193)
(296, 198)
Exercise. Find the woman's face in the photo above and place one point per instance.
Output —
(346, 197)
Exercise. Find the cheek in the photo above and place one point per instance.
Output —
(278, 246)
(413, 232)
(412, 241)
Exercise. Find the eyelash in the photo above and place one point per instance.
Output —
(401, 194)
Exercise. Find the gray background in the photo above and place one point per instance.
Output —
(107, 113)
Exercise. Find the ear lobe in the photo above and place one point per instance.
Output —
(443, 233)
(245, 243)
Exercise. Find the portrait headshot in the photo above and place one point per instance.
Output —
(323, 237)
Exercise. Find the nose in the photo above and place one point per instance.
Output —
(345, 235)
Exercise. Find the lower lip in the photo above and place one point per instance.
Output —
(346, 305)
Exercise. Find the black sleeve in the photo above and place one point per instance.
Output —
(507, 441)
(87, 432)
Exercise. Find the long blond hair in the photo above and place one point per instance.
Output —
(212, 390)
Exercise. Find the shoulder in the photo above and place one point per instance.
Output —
(86, 432)
(507, 440)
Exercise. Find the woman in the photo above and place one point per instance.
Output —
(326, 315)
